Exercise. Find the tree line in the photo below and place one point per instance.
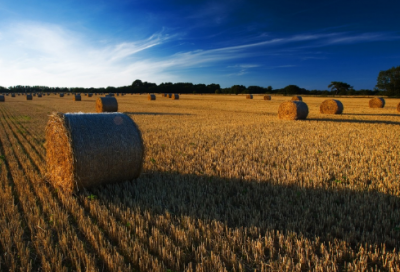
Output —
(388, 83)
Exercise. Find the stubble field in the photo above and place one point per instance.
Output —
(226, 186)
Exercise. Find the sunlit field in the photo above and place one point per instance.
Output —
(226, 186)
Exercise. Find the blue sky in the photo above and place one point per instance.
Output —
(111, 43)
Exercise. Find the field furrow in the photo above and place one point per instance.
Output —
(225, 186)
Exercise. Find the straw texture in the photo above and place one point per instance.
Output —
(267, 97)
(249, 96)
(2, 99)
(106, 104)
(85, 150)
(28, 97)
(293, 110)
(175, 97)
(77, 97)
(151, 97)
(331, 106)
(377, 102)
(297, 98)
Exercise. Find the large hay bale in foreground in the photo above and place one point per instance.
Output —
(377, 102)
(106, 104)
(151, 97)
(267, 97)
(28, 97)
(249, 96)
(331, 106)
(398, 107)
(77, 97)
(293, 110)
(175, 97)
(84, 150)
(297, 98)
(2, 99)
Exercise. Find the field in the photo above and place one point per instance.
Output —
(226, 186)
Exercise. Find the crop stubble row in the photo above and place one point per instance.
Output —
(192, 206)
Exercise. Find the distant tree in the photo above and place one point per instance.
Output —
(389, 81)
(137, 83)
(217, 91)
(339, 87)
(237, 89)
(269, 89)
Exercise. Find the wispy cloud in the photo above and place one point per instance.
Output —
(41, 54)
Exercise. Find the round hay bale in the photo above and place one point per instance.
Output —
(110, 94)
(377, 102)
(39, 95)
(28, 97)
(293, 110)
(85, 150)
(267, 97)
(331, 106)
(398, 107)
(90, 95)
(13, 95)
(151, 97)
(175, 97)
(106, 104)
(2, 98)
(62, 95)
(249, 96)
(169, 95)
(77, 97)
(297, 98)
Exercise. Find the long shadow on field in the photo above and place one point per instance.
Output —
(355, 121)
(369, 114)
(155, 113)
(354, 216)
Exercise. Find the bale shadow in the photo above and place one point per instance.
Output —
(353, 216)
(155, 113)
(369, 114)
(354, 121)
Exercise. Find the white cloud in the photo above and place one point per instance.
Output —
(41, 54)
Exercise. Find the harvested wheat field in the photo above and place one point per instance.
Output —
(225, 186)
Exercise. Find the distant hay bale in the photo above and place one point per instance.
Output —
(28, 97)
(39, 95)
(106, 104)
(175, 97)
(85, 150)
(249, 96)
(33, 94)
(331, 106)
(164, 95)
(2, 98)
(297, 98)
(110, 94)
(267, 97)
(62, 95)
(77, 97)
(151, 97)
(377, 102)
(13, 95)
(169, 95)
(398, 107)
(90, 95)
(293, 110)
